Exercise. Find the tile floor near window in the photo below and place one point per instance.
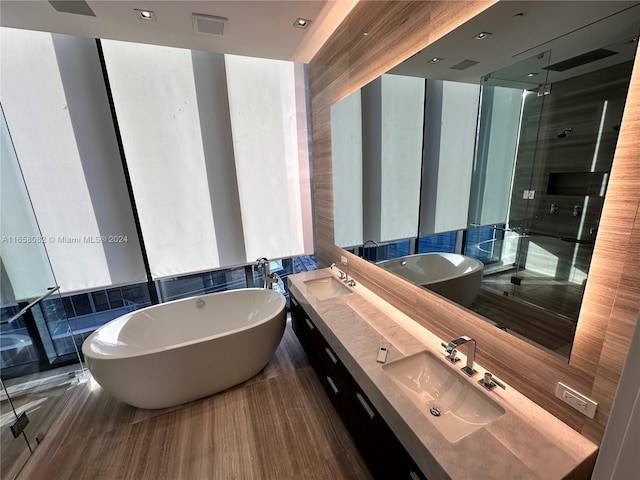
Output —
(278, 425)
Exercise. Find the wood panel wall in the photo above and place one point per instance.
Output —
(395, 31)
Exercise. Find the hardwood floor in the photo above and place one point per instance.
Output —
(278, 425)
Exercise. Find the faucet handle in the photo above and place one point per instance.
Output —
(490, 382)
(453, 355)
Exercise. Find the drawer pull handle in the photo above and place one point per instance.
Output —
(331, 356)
(365, 405)
(309, 324)
(413, 475)
(295, 304)
(333, 385)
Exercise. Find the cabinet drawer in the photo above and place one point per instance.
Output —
(308, 335)
(379, 446)
(383, 452)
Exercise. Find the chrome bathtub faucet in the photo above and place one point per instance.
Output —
(268, 278)
(364, 245)
(452, 347)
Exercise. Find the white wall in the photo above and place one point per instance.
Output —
(618, 458)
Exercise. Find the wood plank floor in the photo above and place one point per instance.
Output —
(278, 425)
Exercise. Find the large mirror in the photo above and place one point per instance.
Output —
(478, 167)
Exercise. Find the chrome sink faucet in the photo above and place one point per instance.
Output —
(453, 345)
(344, 276)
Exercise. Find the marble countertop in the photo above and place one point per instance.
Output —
(527, 442)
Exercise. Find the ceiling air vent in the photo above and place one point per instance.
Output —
(209, 24)
(583, 59)
(78, 7)
(464, 65)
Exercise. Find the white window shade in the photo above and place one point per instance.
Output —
(402, 120)
(156, 100)
(449, 142)
(56, 107)
(269, 121)
(346, 152)
(497, 147)
(393, 112)
(217, 151)
(24, 271)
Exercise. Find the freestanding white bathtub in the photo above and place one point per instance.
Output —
(179, 351)
(456, 277)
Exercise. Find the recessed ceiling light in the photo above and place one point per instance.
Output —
(435, 60)
(482, 35)
(145, 14)
(532, 74)
(301, 23)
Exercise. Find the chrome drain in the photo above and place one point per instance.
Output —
(435, 411)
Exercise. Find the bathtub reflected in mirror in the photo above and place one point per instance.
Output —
(456, 277)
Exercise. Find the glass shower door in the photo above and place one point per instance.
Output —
(15, 446)
(36, 380)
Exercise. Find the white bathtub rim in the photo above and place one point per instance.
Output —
(150, 351)
(478, 266)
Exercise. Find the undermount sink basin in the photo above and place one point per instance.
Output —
(452, 404)
(326, 287)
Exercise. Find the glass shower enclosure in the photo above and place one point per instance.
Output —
(39, 360)
(546, 141)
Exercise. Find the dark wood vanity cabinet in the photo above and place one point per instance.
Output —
(378, 445)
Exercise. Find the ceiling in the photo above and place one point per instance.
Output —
(260, 28)
(264, 28)
(522, 30)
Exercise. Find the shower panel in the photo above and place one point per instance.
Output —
(36, 379)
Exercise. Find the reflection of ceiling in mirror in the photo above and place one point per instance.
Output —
(521, 31)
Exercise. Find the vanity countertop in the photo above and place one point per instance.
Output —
(527, 442)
